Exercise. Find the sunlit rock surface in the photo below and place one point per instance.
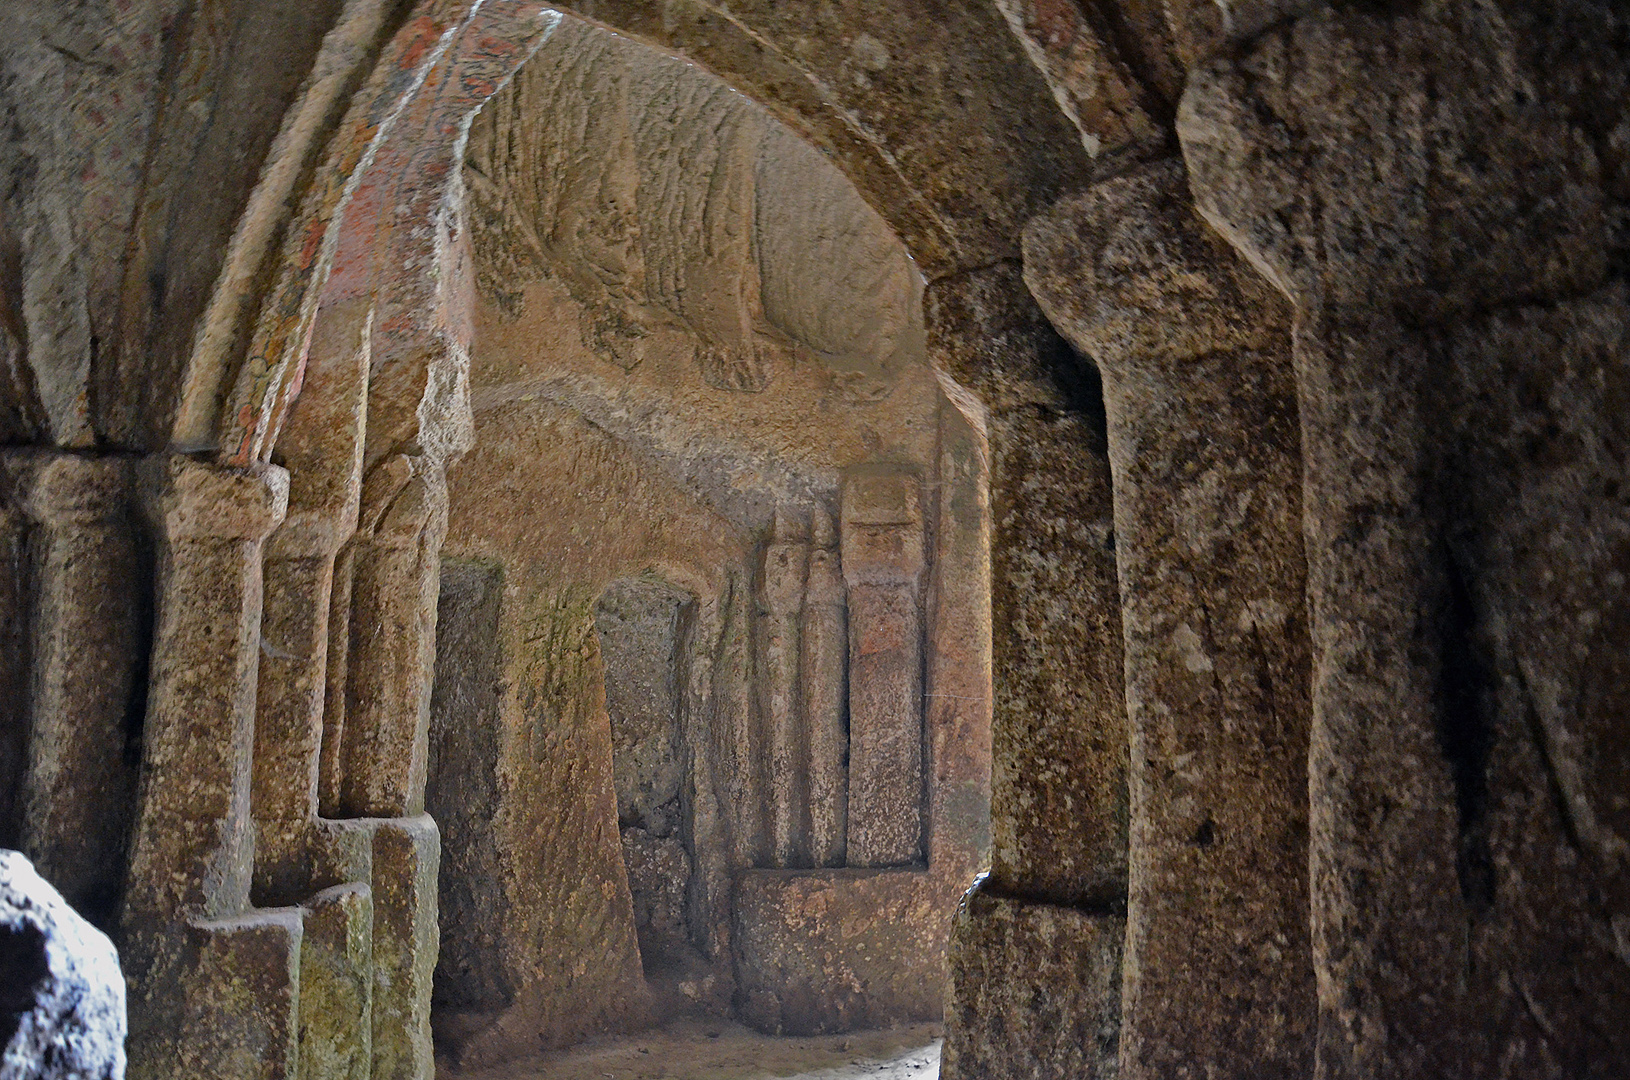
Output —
(62, 995)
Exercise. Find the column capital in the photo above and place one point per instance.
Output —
(189, 499)
(1134, 272)
(55, 487)
(882, 525)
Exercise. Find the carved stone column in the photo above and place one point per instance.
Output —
(192, 844)
(1395, 175)
(882, 536)
(1203, 444)
(396, 578)
(194, 952)
(86, 638)
(1036, 949)
(786, 566)
(321, 445)
(825, 695)
(1382, 828)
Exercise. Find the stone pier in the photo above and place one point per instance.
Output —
(85, 573)
(195, 951)
(1204, 450)
(1058, 730)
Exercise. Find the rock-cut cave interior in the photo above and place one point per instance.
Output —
(684, 540)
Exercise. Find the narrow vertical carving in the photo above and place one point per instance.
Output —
(825, 691)
(786, 566)
(882, 537)
(739, 742)
(395, 580)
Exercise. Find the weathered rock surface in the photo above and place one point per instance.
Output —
(669, 310)
(841, 950)
(1088, 78)
(1058, 787)
(62, 1006)
(933, 110)
(1537, 531)
(1205, 452)
(1420, 193)
(1035, 990)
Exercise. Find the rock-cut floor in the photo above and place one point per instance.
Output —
(693, 1050)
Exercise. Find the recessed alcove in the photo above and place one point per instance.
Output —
(730, 536)
(642, 630)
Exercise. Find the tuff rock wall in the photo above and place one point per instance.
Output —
(1361, 778)
(1305, 500)
(735, 540)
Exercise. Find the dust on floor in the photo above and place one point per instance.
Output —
(693, 1050)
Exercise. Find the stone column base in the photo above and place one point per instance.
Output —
(1035, 991)
(220, 1000)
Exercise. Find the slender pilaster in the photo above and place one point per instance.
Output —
(737, 738)
(14, 602)
(957, 699)
(395, 582)
(781, 583)
(882, 537)
(331, 755)
(825, 696)
(86, 634)
(289, 714)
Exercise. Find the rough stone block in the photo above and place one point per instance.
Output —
(336, 985)
(1035, 991)
(221, 1000)
(840, 950)
(62, 996)
(407, 853)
